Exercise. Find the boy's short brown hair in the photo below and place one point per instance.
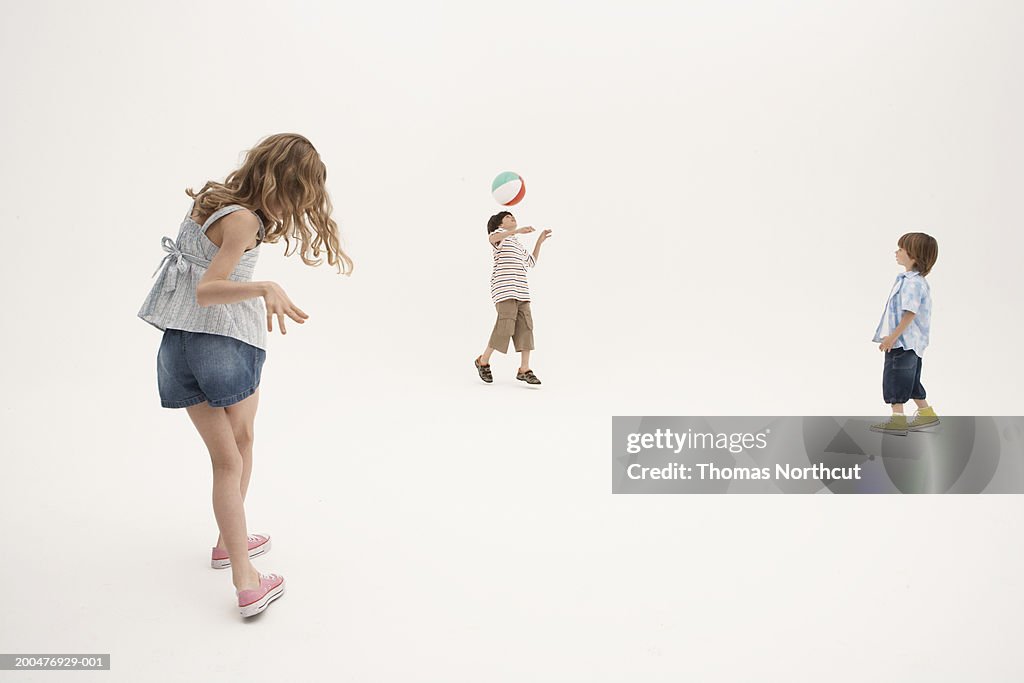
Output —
(922, 248)
(494, 222)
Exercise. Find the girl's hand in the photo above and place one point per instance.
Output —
(544, 235)
(888, 342)
(525, 229)
(280, 305)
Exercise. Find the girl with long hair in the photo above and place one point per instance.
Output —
(215, 319)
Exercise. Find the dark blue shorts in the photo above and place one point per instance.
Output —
(901, 376)
(193, 367)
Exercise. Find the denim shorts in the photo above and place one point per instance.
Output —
(901, 376)
(193, 367)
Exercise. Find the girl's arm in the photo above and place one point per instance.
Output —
(888, 342)
(238, 230)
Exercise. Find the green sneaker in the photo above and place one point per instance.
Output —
(897, 424)
(923, 419)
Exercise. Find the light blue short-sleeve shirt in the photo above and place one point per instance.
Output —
(909, 293)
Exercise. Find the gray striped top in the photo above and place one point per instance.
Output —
(171, 303)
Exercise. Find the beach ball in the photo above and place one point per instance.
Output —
(508, 189)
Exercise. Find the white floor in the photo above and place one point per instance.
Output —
(467, 533)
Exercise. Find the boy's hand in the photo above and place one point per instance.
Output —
(887, 343)
(525, 229)
(544, 235)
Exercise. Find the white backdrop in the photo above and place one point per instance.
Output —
(726, 183)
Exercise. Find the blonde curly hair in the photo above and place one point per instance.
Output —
(283, 180)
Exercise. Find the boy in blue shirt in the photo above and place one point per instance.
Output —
(903, 334)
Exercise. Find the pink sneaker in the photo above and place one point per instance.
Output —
(258, 545)
(252, 602)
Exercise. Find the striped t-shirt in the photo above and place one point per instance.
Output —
(508, 279)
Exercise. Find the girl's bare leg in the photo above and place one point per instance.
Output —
(242, 417)
(215, 429)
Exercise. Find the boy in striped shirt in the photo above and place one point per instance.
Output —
(510, 294)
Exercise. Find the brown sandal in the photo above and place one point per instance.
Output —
(528, 377)
(483, 370)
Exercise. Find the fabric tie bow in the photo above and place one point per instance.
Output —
(177, 261)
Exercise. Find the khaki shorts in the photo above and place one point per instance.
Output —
(514, 322)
